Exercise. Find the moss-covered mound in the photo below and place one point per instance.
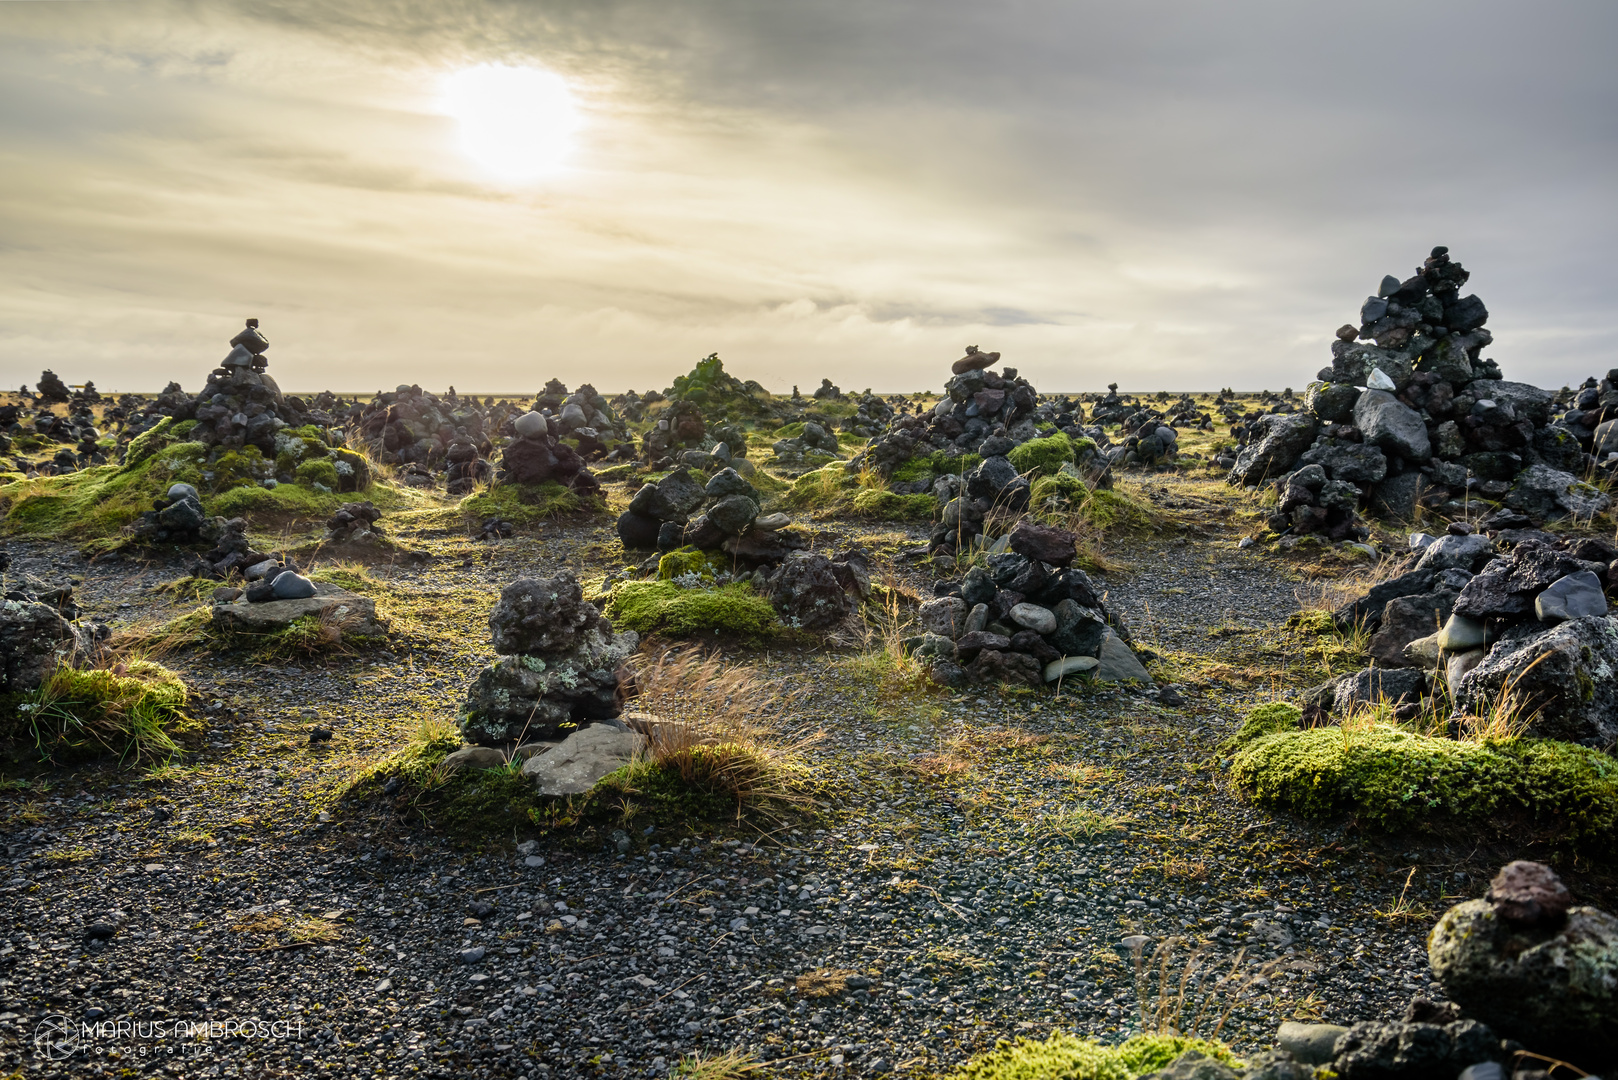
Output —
(528, 504)
(938, 463)
(720, 395)
(99, 501)
(1043, 457)
(1066, 1057)
(1396, 779)
(134, 711)
(669, 609)
(883, 505)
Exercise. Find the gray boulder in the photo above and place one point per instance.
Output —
(1373, 685)
(34, 641)
(1565, 678)
(1531, 403)
(1332, 402)
(531, 697)
(535, 616)
(1468, 552)
(292, 585)
(1402, 1050)
(1405, 620)
(1350, 461)
(1119, 663)
(1552, 986)
(945, 616)
(733, 513)
(1285, 438)
(1311, 1044)
(1576, 596)
(573, 766)
(1396, 496)
(1546, 493)
(807, 593)
(1389, 423)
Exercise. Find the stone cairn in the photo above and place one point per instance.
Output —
(241, 406)
(1027, 617)
(535, 455)
(1509, 612)
(355, 523)
(560, 663)
(721, 514)
(175, 518)
(77, 430)
(1411, 412)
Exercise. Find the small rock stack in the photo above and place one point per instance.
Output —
(816, 446)
(1411, 412)
(721, 514)
(536, 455)
(1507, 613)
(587, 419)
(560, 663)
(51, 388)
(1533, 965)
(421, 434)
(355, 523)
(177, 518)
(1028, 617)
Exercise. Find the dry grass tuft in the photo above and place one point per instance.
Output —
(714, 726)
(726, 1066)
(826, 982)
(1183, 985)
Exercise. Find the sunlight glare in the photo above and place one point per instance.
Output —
(516, 122)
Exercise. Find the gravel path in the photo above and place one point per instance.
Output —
(972, 873)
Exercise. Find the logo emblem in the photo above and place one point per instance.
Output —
(56, 1037)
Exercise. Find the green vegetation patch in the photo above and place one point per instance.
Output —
(134, 711)
(663, 607)
(822, 489)
(1066, 1057)
(1042, 457)
(888, 506)
(101, 500)
(528, 504)
(935, 464)
(1116, 510)
(707, 565)
(1058, 492)
(1396, 779)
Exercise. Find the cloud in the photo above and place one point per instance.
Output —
(1169, 194)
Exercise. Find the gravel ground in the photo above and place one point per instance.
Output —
(974, 869)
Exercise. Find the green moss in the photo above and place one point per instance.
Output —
(821, 489)
(1267, 719)
(1042, 457)
(1115, 510)
(1396, 779)
(888, 506)
(935, 464)
(135, 712)
(288, 500)
(526, 504)
(99, 501)
(662, 607)
(1058, 492)
(1066, 1057)
(152, 440)
(689, 560)
(317, 472)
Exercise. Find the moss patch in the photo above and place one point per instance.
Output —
(134, 711)
(1396, 779)
(1042, 457)
(1065, 1057)
(662, 607)
(935, 464)
(527, 504)
(886, 505)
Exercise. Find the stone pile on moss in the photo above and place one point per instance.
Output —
(721, 513)
(427, 436)
(1011, 478)
(1027, 616)
(539, 453)
(1411, 412)
(1505, 622)
(560, 663)
(40, 632)
(586, 422)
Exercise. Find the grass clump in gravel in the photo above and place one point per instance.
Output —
(529, 504)
(1396, 779)
(670, 609)
(1067, 1057)
(134, 710)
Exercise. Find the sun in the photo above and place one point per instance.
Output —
(517, 123)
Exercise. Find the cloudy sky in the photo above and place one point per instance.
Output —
(1163, 193)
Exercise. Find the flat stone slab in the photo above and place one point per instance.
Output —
(578, 761)
(357, 612)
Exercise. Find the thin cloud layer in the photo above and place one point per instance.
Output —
(1169, 195)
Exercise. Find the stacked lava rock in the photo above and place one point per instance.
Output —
(424, 433)
(1511, 612)
(719, 515)
(241, 407)
(1593, 419)
(827, 392)
(1410, 411)
(176, 518)
(51, 388)
(231, 551)
(817, 445)
(979, 405)
(870, 418)
(269, 580)
(535, 455)
(586, 419)
(560, 663)
(1028, 617)
(355, 523)
(39, 632)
